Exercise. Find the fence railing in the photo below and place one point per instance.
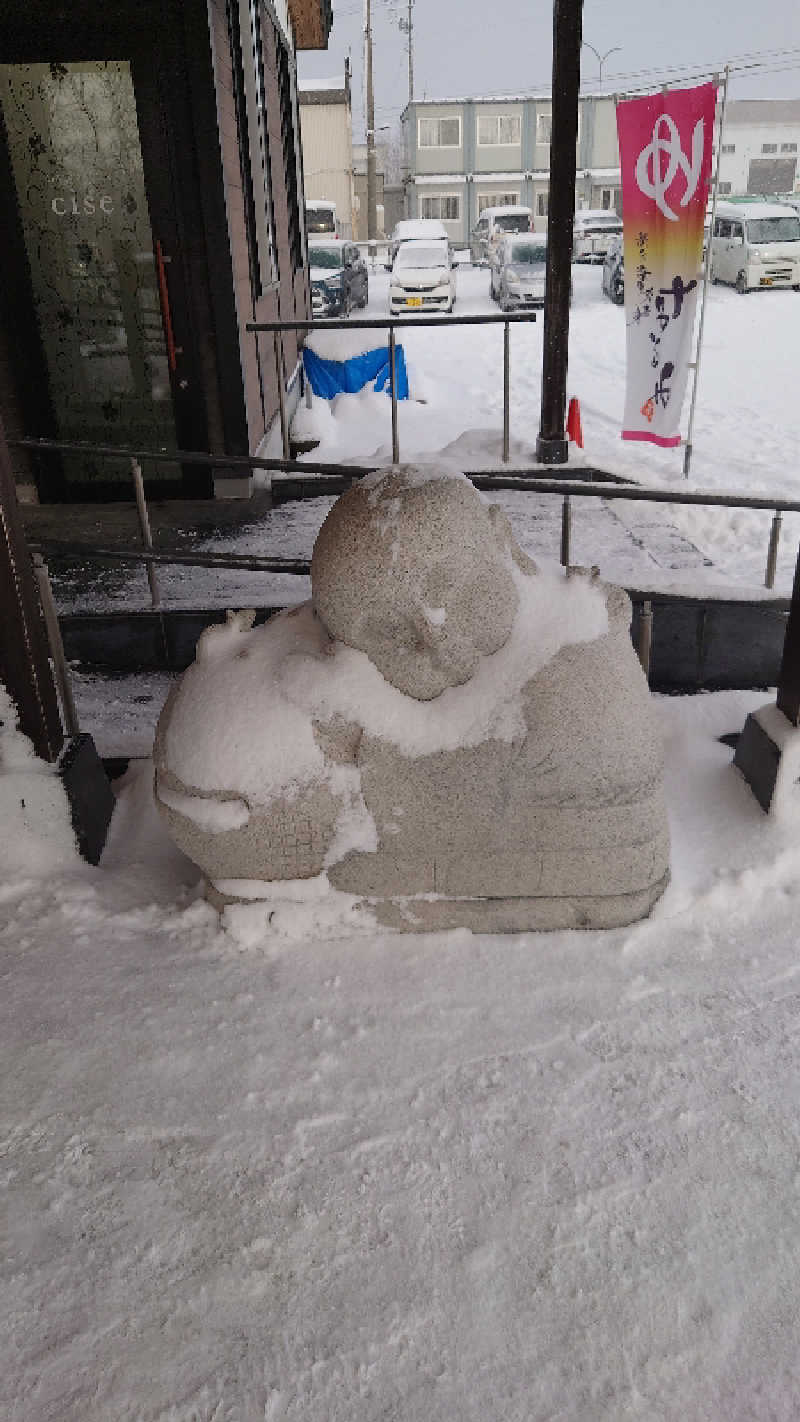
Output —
(327, 478)
(392, 324)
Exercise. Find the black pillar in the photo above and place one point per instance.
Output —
(551, 446)
(24, 654)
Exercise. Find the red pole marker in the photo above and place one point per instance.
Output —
(574, 427)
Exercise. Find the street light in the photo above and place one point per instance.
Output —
(601, 58)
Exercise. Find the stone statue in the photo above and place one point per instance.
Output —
(447, 731)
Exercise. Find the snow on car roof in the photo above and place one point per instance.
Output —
(418, 227)
(509, 210)
(753, 209)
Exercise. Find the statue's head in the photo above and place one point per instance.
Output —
(414, 569)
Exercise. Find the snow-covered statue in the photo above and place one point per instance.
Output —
(447, 732)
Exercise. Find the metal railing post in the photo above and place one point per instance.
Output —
(281, 376)
(506, 392)
(772, 551)
(60, 672)
(393, 392)
(147, 537)
(645, 640)
(566, 531)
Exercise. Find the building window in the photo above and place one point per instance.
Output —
(544, 125)
(289, 141)
(497, 200)
(788, 148)
(249, 99)
(607, 199)
(541, 204)
(769, 148)
(446, 207)
(439, 132)
(728, 148)
(499, 130)
(725, 188)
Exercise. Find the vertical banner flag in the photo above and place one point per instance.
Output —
(665, 143)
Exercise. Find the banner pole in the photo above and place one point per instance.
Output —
(687, 453)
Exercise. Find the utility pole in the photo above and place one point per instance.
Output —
(372, 214)
(551, 446)
(407, 27)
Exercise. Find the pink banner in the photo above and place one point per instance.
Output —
(665, 143)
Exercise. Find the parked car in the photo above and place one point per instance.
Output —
(756, 244)
(614, 272)
(422, 279)
(339, 278)
(518, 266)
(593, 233)
(492, 226)
(415, 229)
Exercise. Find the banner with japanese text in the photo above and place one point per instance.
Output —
(665, 144)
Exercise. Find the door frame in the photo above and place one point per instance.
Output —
(157, 90)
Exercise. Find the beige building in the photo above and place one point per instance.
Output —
(326, 131)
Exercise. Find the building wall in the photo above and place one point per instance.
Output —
(475, 171)
(327, 140)
(284, 293)
(748, 139)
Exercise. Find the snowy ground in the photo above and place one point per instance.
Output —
(746, 438)
(378, 1177)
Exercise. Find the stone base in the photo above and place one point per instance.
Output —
(432, 914)
(764, 750)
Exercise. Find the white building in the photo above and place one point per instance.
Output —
(467, 154)
(326, 130)
(760, 147)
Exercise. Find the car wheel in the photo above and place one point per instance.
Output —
(618, 292)
(741, 284)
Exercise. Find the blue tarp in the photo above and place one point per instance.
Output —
(331, 377)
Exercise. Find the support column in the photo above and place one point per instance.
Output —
(552, 445)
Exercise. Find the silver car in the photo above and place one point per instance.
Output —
(518, 271)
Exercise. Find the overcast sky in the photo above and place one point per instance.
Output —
(464, 47)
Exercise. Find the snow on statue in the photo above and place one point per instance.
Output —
(446, 732)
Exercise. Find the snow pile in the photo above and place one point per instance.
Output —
(36, 835)
(296, 909)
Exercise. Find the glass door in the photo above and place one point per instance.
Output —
(100, 284)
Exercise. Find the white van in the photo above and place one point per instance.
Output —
(595, 231)
(492, 225)
(756, 244)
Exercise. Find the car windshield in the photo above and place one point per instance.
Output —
(328, 257)
(528, 253)
(320, 219)
(514, 222)
(414, 254)
(774, 229)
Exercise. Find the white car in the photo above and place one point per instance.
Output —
(415, 229)
(422, 279)
(756, 244)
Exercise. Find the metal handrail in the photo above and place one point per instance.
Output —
(392, 324)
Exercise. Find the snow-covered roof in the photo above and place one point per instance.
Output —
(308, 85)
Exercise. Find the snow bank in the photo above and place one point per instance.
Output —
(348, 1175)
